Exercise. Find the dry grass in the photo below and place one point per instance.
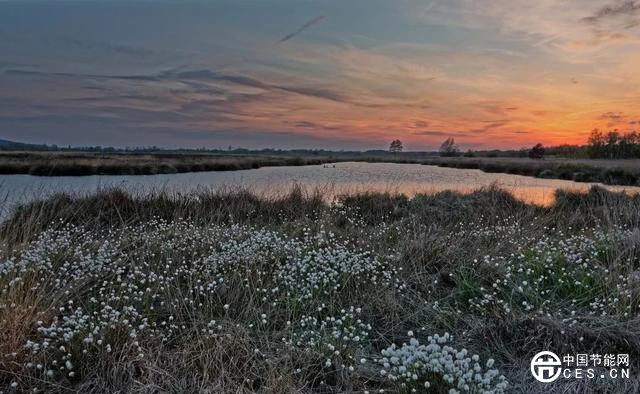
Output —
(439, 245)
(611, 172)
(23, 308)
(78, 163)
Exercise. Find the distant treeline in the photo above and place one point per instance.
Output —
(614, 145)
(9, 146)
(569, 151)
(610, 145)
(6, 145)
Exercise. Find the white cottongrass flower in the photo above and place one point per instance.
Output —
(414, 365)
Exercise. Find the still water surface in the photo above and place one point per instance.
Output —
(334, 179)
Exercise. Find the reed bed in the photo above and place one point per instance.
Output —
(377, 292)
(82, 164)
(609, 172)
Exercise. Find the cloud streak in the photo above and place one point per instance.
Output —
(302, 28)
(624, 8)
(197, 75)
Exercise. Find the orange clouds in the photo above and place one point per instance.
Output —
(501, 100)
(499, 73)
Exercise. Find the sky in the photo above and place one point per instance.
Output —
(323, 74)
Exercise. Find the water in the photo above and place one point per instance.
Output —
(333, 179)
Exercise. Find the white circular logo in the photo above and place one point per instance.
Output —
(546, 367)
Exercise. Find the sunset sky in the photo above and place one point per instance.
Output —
(336, 74)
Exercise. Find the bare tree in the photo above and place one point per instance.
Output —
(449, 148)
(396, 146)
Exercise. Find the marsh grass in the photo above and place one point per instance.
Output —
(80, 164)
(233, 292)
(610, 172)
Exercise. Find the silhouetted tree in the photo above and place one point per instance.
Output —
(596, 144)
(449, 148)
(396, 146)
(537, 152)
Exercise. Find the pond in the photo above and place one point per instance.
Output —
(333, 179)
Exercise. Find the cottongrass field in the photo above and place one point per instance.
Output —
(229, 292)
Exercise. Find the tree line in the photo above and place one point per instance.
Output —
(610, 145)
(613, 145)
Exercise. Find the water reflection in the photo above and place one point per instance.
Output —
(333, 179)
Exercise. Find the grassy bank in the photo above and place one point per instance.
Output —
(91, 163)
(610, 172)
(76, 164)
(234, 293)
